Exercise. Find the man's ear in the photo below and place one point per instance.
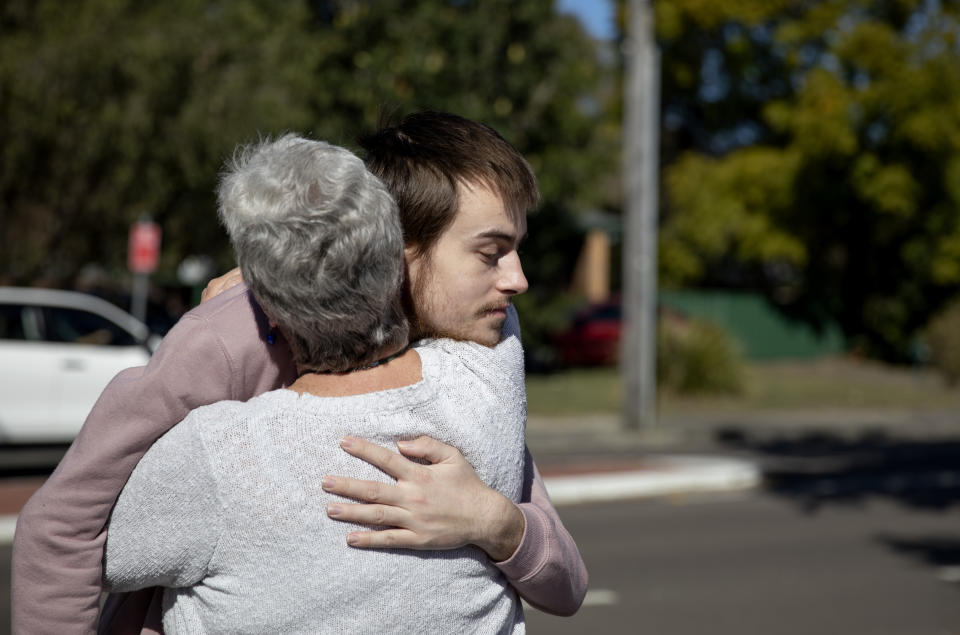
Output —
(412, 260)
(410, 254)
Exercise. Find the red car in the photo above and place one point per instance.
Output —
(593, 338)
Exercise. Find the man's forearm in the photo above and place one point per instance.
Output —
(546, 569)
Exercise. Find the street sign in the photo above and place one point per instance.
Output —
(143, 249)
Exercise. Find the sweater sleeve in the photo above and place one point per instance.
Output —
(167, 521)
(546, 569)
(58, 545)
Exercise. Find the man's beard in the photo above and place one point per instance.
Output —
(417, 302)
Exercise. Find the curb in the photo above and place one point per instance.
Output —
(662, 476)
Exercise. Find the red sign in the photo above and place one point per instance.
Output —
(143, 250)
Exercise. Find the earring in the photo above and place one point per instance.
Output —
(272, 337)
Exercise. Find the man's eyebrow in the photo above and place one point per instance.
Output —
(499, 234)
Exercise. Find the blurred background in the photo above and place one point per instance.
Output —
(808, 269)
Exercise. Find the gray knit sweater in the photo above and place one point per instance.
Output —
(227, 510)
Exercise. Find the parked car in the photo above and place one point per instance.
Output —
(58, 350)
(593, 338)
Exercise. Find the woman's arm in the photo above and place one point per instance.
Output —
(215, 352)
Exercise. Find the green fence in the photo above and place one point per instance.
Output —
(762, 331)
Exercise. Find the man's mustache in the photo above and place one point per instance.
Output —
(499, 305)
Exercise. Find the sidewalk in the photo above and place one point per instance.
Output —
(594, 458)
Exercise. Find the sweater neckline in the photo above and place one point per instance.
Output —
(378, 401)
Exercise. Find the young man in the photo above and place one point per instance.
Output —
(463, 193)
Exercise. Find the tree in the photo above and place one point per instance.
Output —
(824, 159)
(113, 108)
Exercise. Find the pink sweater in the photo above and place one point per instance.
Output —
(217, 351)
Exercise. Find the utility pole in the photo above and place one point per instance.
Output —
(641, 177)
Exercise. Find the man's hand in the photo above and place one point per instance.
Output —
(443, 505)
(218, 285)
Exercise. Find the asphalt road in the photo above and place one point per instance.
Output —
(759, 563)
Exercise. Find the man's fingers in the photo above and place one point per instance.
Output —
(377, 515)
(395, 538)
(424, 447)
(386, 460)
(366, 491)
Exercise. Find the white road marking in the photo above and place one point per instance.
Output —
(7, 525)
(601, 597)
(664, 476)
(949, 574)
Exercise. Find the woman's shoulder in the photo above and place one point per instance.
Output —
(462, 362)
(222, 418)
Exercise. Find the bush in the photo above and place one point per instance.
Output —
(943, 340)
(694, 356)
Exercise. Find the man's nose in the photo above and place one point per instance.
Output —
(512, 281)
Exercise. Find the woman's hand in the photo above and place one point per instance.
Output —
(443, 505)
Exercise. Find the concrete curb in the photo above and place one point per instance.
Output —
(662, 476)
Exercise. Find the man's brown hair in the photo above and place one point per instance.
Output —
(423, 158)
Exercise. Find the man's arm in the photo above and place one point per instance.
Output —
(58, 546)
(546, 569)
(445, 505)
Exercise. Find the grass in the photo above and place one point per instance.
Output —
(827, 384)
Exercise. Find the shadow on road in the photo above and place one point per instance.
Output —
(816, 468)
(937, 551)
(819, 468)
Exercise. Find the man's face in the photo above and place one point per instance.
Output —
(461, 288)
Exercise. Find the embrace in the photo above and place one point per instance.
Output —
(334, 443)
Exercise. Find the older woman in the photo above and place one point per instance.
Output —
(228, 511)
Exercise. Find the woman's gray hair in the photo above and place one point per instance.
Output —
(318, 240)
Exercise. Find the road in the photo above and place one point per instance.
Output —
(758, 563)
(753, 563)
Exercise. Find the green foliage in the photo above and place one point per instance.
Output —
(812, 153)
(943, 339)
(697, 357)
(114, 108)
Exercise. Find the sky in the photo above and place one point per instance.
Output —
(596, 15)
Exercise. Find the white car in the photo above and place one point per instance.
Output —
(58, 350)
